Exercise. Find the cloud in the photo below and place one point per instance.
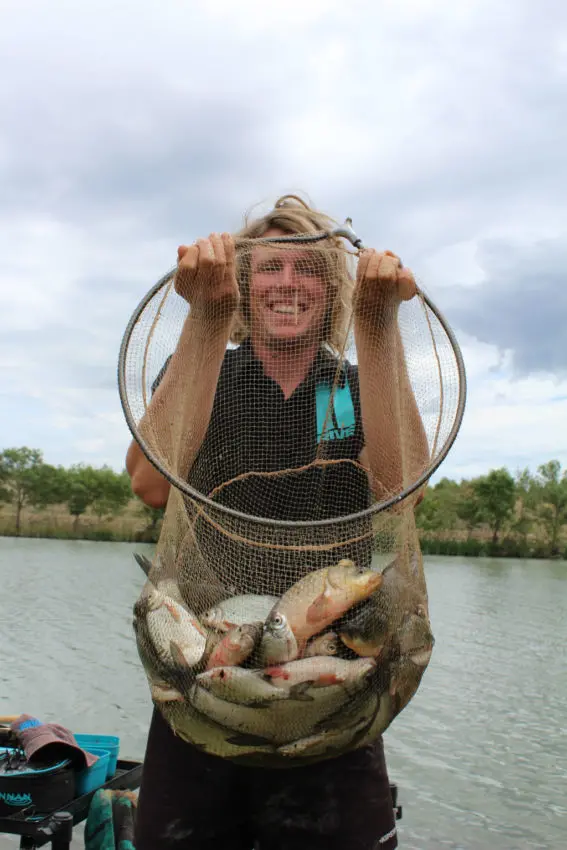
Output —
(520, 305)
(129, 128)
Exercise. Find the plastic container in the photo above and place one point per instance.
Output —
(110, 743)
(41, 786)
(91, 778)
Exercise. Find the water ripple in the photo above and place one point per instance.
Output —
(479, 755)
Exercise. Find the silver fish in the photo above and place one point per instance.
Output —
(235, 646)
(168, 634)
(244, 687)
(333, 741)
(278, 641)
(193, 727)
(321, 671)
(238, 611)
(280, 722)
(167, 586)
(162, 692)
(325, 644)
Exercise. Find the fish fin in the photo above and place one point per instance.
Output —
(177, 654)
(320, 607)
(143, 562)
(299, 692)
(261, 703)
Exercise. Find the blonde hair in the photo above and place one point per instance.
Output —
(293, 215)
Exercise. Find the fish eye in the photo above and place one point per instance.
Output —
(332, 646)
(278, 621)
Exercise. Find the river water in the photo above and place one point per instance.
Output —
(479, 755)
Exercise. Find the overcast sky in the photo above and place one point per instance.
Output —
(127, 128)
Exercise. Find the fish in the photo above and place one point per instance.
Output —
(415, 638)
(405, 680)
(168, 634)
(167, 586)
(238, 611)
(244, 686)
(162, 692)
(207, 736)
(320, 672)
(235, 646)
(278, 643)
(415, 644)
(325, 644)
(369, 628)
(311, 605)
(334, 741)
(383, 717)
(279, 722)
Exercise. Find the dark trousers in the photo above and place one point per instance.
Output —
(193, 801)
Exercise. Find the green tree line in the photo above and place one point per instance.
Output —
(494, 514)
(497, 513)
(27, 482)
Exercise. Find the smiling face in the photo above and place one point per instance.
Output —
(288, 293)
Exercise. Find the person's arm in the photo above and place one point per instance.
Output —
(395, 444)
(178, 415)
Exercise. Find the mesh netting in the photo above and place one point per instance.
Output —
(285, 618)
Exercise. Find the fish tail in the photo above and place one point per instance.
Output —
(143, 562)
(298, 692)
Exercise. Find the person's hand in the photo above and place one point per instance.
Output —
(382, 283)
(206, 276)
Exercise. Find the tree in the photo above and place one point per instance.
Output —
(468, 506)
(81, 491)
(26, 480)
(496, 495)
(113, 492)
(524, 504)
(106, 491)
(437, 510)
(551, 489)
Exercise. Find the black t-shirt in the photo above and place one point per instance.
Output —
(254, 429)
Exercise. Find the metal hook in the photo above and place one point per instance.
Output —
(347, 232)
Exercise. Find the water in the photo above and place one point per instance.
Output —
(479, 755)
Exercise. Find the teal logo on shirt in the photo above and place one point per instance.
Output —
(339, 422)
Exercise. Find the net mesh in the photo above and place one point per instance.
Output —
(293, 400)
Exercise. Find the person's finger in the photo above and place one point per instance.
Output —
(391, 254)
(188, 256)
(407, 287)
(373, 267)
(218, 248)
(206, 252)
(229, 248)
(388, 268)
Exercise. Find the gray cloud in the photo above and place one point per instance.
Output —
(130, 129)
(520, 306)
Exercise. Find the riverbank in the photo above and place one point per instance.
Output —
(476, 547)
(132, 525)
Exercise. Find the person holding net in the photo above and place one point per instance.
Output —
(282, 396)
